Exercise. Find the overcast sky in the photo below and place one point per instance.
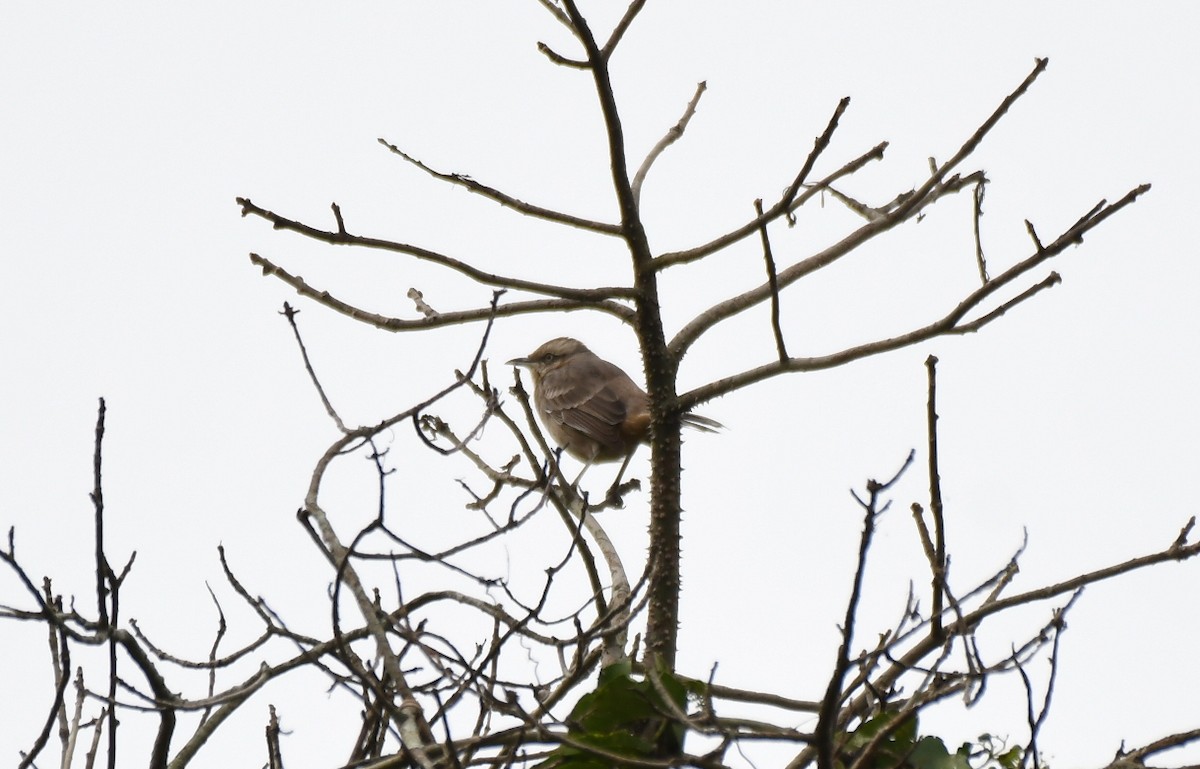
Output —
(128, 130)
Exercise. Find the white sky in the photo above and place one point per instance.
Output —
(126, 133)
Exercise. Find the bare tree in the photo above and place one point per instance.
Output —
(454, 675)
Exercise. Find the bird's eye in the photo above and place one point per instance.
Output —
(549, 357)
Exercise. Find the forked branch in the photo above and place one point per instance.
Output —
(951, 323)
(342, 238)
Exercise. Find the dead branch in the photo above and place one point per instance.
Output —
(504, 199)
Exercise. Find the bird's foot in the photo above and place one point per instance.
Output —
(615, 497)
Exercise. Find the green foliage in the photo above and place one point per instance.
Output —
(624, 716)
(902, 747)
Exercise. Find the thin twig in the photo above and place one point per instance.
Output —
(673, 135)
(335, 237)
(622, 26)
(556, 12)
(980, 261)
(290, 313)
(828, 717)
(935, 501)
(62, 674)
(951, 323)
(789, 201)
(559, 59)
(387, 323)
(103, 570)
(1135, 759)
(773, 283)
(504, 199)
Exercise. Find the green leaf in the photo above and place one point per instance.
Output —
(1011, 758)
(931, 753)
(625, 716)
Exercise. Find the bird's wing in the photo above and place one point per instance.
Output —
(591, 398)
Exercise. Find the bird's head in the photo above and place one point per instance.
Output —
(550, 355)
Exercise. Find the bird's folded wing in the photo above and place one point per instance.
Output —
(587, 397)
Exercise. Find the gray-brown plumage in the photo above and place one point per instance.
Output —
(589, 406)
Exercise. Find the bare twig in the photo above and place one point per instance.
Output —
(336, 237)
(980, 261)
(103, 570)
(828, 716)
(415, 732)
(1058, 625)
(673, 134)
(622, 26)
(773, 283)
(726, 309)
(559, 59)
(274, 754)
(951, 323)
(1033, 235)
(556, 12)
(937, 185)
(504, 199)
(1136, 758)
(290, 314)
(386, 323)
(938, 563)
(789, 201)
(62, 675)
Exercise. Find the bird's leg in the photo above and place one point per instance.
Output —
(621, 472)
(613, 496)
(573, 489)
(579, 477)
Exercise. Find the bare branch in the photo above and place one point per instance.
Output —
(415, 731)
(726, 309)
(673, 134)
(938, 562)
(62, 675)
(504, 199)
(488, 279)
(559, 59)
(971, 620)
(1136, 758)
(789, 201)
(948, 324)
(937, 185)
(557, 13)
(773, 284)
(1036, 723)
(1033, 235)
(761, 698)
(870, 213)
(828, 718)
(290, 314)
(386, 323)
(974, 140)
(622, 26)
(1050, 281)
(274, 754)
(980, 186)
(102, 570)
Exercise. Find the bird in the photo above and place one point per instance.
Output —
(590, 407)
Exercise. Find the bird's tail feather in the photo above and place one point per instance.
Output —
(703, 424)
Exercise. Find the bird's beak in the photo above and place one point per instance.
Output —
(520, 362)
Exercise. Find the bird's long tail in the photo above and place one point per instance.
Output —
(701, 423)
